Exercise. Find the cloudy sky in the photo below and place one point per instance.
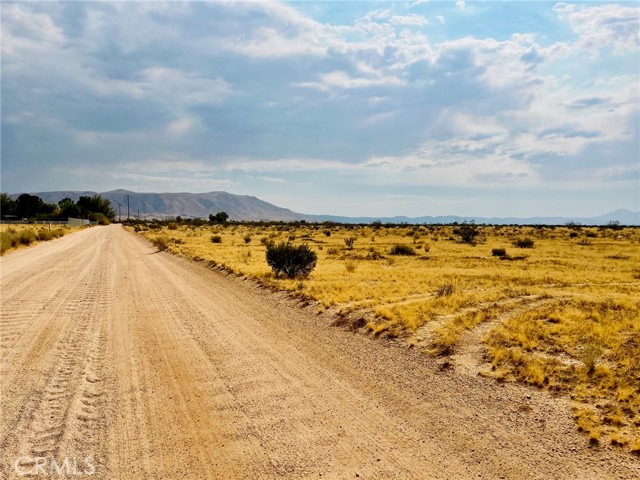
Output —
(350, 108)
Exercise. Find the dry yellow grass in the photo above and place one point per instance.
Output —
(14, 236)
(564, 315)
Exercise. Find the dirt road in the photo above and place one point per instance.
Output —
(129, 363)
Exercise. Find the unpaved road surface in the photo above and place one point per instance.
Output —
(129, 363)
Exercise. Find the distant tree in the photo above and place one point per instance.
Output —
(29, 206)
(614, 225)
(573, 224)
(68, 208)
(468, 232)
(220, 217)
(7, 205)
(96, 204)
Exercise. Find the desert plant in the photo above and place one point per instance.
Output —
(27, 237)
(247, 239)
(44, 235)
(498, 252)
(468, 232)
(525, 242)
(350, 266)
(374, 254)
(161, 242)
(349, 242)
(5, 242)
(291, 260)
(399, 249)
(216, 239)
(445, 290)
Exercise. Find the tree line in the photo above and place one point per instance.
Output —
(32, 207)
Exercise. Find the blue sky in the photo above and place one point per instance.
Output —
(348, 108)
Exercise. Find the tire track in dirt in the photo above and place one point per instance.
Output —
(159, 368)
(63, 409)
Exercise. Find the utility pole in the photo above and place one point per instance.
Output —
(119, 212)
(128, 196)
(138, 214)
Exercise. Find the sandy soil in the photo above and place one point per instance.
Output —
(137, 364)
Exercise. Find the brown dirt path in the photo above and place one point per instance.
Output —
(141, 365)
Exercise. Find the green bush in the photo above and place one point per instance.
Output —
(291, 260)
(399, 249)
(468, 232)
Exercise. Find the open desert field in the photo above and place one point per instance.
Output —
(122, 361)
(553, 307)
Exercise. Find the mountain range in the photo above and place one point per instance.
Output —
(245, 208)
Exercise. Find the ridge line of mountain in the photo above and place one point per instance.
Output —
(247, 207)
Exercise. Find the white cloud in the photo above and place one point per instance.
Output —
(399, 100)
(460, 4)
(603, 26)
(412, 19)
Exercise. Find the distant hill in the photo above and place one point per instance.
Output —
(625, 217)
(245, 207)
(162, 205)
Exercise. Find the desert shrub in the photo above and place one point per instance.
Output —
(247, 239)
(468, 232)
(216, 239)
(27, 237)
(101, 218)
(427, 248)
(498, 252)
(525, 242)
(161, 242)
(291, 260)
(573, 234)
(399, 249)
(172, 226)
(350, 266)
(445, 290)
(44, 235)
(349, 242)
(5, 242)
(374, 254)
